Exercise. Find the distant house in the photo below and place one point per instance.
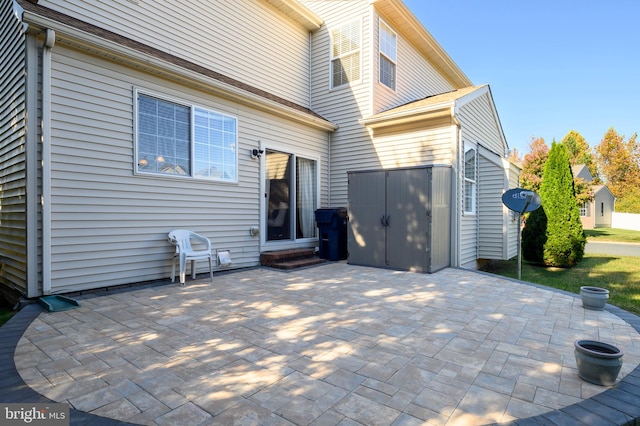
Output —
(236, 119)
(598, 212)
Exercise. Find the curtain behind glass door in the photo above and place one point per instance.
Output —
(306, 196)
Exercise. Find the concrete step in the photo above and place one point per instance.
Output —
(298, 263)
(268, 258)
(290, 258)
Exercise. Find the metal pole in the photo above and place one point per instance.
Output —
(529, 197)
(519, 246)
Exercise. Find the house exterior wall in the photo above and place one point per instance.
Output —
(354, 147)
(108, 225)
(511, 218)
(603, 209)
(491, 186)
(482, 233)
(416, 77)
(347, 104)
(13, 155)
(241, 39)
(588, 221)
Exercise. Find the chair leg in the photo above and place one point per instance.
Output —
(211, 269)
(183, 269)
(193, 269)
(173, 269)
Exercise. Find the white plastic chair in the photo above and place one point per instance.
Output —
(182, 238)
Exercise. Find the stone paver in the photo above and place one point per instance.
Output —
(334, 344)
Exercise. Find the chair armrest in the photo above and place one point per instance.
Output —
(202, 239)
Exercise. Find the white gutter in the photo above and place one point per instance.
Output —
(455, 198)
(32, 166)
(49, 41)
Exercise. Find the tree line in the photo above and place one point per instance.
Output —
(615, 162)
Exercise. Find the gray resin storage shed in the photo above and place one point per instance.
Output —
(400, 218)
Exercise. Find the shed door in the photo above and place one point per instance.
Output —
(408, 227)
(366, 235)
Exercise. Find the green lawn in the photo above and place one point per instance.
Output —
(611, 234)
(619, 274)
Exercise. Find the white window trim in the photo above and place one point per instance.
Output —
(474, 182)
(381, 23)
(192, 107)
(331, 57)
(309, 155)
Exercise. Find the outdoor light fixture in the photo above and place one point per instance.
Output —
(256, 153)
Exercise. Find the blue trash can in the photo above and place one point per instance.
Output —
(332, 230)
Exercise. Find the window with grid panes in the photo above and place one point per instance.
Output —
(185, 140)
(345, 53)
(470, 181)
(388, 54)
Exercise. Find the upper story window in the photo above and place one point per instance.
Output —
(345, 53)
(388, 54)
(185, 140)
(470, 180)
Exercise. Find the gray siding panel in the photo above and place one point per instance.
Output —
(492, 217)
(109, 226)
(13, 246)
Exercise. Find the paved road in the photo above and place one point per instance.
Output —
(614, 249)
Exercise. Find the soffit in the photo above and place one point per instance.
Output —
(296, 11)
(406, 23)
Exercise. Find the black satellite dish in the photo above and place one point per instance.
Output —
(521, 200)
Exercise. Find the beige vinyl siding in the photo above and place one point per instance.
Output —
(481, 126)
(492, 213)
(13, 177)
(511, 218)
(417, 78)
(108, 225)
(242, 39)
(413, 148)
(344, 105)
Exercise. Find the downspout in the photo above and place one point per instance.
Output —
(49, 41)
(309, 68)
(455, 208)
(32, 166)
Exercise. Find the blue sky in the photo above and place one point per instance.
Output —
(553, 65)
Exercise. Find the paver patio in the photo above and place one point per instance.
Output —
(334, 344)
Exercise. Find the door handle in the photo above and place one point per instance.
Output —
(387, 220)
(382, 221)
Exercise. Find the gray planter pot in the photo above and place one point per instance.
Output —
(594, 298)
(598, 362)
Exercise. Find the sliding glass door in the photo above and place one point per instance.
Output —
(291, 196)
